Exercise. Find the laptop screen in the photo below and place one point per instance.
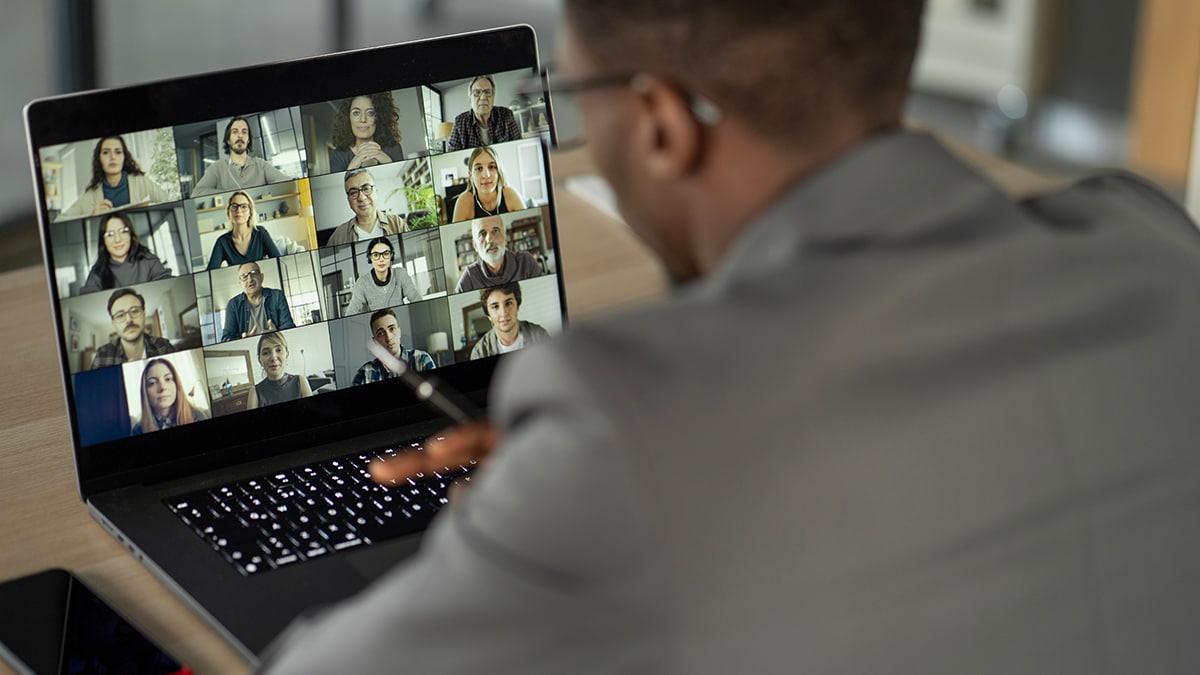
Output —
(222, 248)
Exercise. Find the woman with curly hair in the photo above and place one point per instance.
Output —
(121, 259)
(366, 132)
(117, 180)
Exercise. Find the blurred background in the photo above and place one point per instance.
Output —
(1058, 86)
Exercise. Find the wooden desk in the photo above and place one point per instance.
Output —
(43, 522)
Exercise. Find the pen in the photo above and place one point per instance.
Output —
(425, 389)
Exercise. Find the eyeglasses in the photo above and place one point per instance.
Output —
(249, 275)
(132, 312)
(239, 206)
(367, 189)
(482, 93)
(111, 234)
(381, 255)
(566, 122)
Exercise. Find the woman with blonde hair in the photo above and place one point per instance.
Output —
(277, 385)
(246, 241)
(487, 194)
(164, 403)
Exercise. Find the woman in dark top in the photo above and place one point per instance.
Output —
(121, 260)
(366, 132)
(277, 386)
(246, 241)
(487, 194)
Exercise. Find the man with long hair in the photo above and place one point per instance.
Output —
(238, 169)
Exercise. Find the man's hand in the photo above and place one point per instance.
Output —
(454, 447)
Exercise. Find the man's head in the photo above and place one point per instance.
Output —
(786, 68)
(127, 308)
(490, 240)
(482, 95)
(251, 277)
(238, 140)
(380, 254)
(386, 330)
(501, 303)
(704, 112)
(360, 192)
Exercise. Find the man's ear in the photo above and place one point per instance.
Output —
(669, 134)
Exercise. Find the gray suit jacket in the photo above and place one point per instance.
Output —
(958, 436)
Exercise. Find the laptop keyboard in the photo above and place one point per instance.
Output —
(270, 521)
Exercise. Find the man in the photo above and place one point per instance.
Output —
(386, 330)
(256, 309)
(367, 222)
(890, 421)
(509, 333)
(239, 170)
(485, 123)
(127, 308)
(496, 265)
(383, 285)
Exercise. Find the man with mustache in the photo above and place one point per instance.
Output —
(127, 309)
(256, 309)
(239, 170)
(496, 265)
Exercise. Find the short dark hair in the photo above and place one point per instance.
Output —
(380, 240)
(511, 288)
(249, 134)
(387, 311)
(786, 68)
(122, 292)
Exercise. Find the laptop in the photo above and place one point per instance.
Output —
(221, 250)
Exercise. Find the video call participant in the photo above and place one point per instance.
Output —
(256, 309)
(384, 285)
(164, 399)
(488, 194)
(367, 221)
(366, 132)
(117, 180)
(121, 260)
(509, 333)
(484, 123)
(277, 385)
(496, 265)
(239, 170)
(246, 240)
(386, 330)
(128, 311)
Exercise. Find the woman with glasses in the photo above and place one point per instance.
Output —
(117, 180)
(366, 132)
(487, 194)
(277, 385)
(246, 241)
(121, 259)
(385, 285)
(164, 399)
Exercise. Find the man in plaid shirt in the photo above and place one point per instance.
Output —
(127, 308)
(484, 123)
(387, 333)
